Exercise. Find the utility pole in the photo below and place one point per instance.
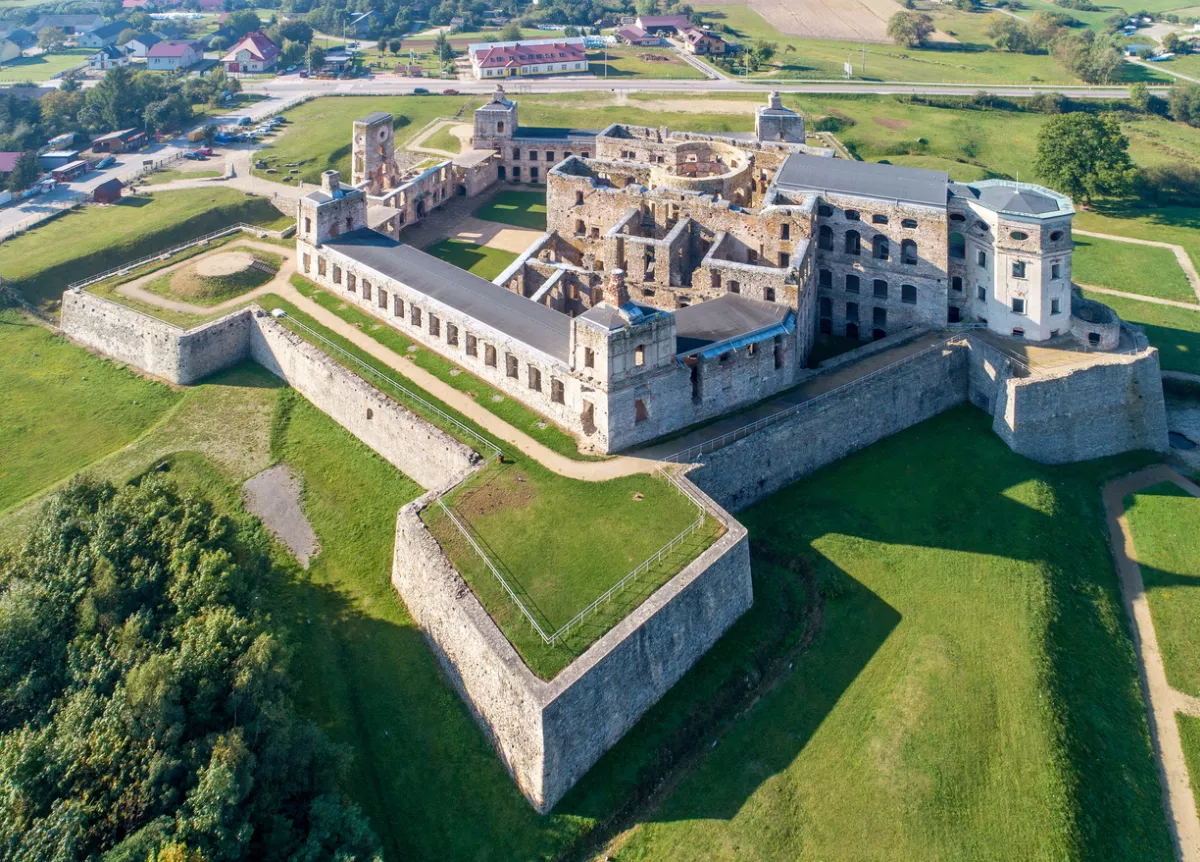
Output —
(864, 60)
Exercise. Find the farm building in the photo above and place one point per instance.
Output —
(108, 191)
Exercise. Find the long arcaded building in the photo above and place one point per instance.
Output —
(683, 275)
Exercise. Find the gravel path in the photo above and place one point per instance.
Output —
(274, 495)
(1162, 701)
(1181, 255)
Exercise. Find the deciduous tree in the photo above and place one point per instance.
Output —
(1083, 155)
(910, 29)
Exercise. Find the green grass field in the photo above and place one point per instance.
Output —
(972, 692)
(1174, 331)
(520, 209)
(510, 410)
(43, 66)
(188, 285)
(443, 140)
(1189, 736)
(83, 242)
(158, 178)
(63, 407)
(482, 260)
(633, 63)
(318, 134)
(1165, 522)
(528, 519)
(1140, 269)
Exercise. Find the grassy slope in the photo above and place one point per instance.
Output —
(442, 139)
(1131, 268)
(1189, 735)
(1165, 521)
(318, 136)
(482, 260)
(973, 692)
(1174, 331)
(84, 242)
(520, 209)
(508, 409)
(188, 285)
(63, 407)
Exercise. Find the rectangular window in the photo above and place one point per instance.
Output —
(852, 311)
(785, 231)
(489, 356)
(1056, 306)
(397, 306)
(533, 175)
(908, 293)
(351, 280)
(1018, 305)
(982, 258)
(337, 274)
(589, 358)
(981, 293)
(510, 365)
(414, 316)
(557, 393)
(1056, 270)
(435, 325)
(784, 258)
(320, 266)
(472, 345)
(879, 317)
(535, 378)
(640, 412)
(1018, 269)
(307, 262)
(366, 292)
(769, 294)
(451, 334)
(956, 284)
(383, 298)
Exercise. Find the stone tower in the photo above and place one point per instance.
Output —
(374, 153)
(496, 121)
(775, 123)
(330, 211)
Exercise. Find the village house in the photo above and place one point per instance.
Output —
(538, 57)
(254, 53)
(69, 24)
(108, 57)
(171, 56)
(139, 46)
(15, 43)
(102, 36)
(123, 141)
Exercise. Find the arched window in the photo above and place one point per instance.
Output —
(852, 283)
(826, 307)
(825, 238)
(958, 246)
(908, 293)
(908, 251)
(824, 278)
(500, 126)
(853, 242)
(880, 288)
(879, 247)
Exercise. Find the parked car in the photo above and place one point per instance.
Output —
(244, 121)
(204, 151)
(106, 162)
(450, 92)
(192, 157)
(303, 73)
(420, 91)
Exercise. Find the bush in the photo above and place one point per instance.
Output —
(1176, 184)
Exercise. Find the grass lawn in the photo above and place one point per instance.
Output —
(443, 140)
(529, 520)
(188, 285)
(482, 260)
(972, 691)
(83, 242)
(1174, 331)
(63, 407)
(521, 209)
(317, 136)
(160, 177)
(1178, 225)
(1131, 268)
(509, 409)
(43, 66)
(1165, 522)
(1189, 736)
(633, 63)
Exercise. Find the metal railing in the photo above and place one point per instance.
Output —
(488, 447)
(171, 252)
(685, 455)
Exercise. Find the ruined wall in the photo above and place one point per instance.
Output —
(424, 453)
(548, 734)
(155, 347)
(832, 427)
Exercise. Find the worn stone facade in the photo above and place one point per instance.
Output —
(548, 734)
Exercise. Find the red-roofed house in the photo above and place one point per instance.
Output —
(553, 58)
(169, 56)
(8, 161)
(696, 41)
(664, 24)
(255, 53)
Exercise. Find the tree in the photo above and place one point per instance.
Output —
(210, 134)
(1172, 44)
(394, 46)
(910, 29)
(25, 172)
(1092, 58)
(764, 51)
(315, 58)
(1139, 96)
(243, 21)
(297, 31)
(443, 49)
(1083, 155)
(381, 45)
(116, 99)
(1009, 34)
(134, 644)
(51, 38)
(291, 54)
(1184, 104)
(511, 32)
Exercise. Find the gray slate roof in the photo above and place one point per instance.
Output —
(375, 117)
(515, 316)
(723, 318)
(1010, 197)
(802, 172)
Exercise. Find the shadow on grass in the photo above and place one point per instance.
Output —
(1134, 208)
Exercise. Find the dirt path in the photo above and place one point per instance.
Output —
(1162, 701)
(1140, 297)
(1189, 268)
(135, 290)
(417, 145)
(274, 495)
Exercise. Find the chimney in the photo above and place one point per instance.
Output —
(615, 292)
(773, 100)
(331, 183)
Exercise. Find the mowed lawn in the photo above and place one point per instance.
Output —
(1174, 331)
(63, 407)
(1189, 737)
(43, 66)
(520, 209)
(972, 691)
(317, 136)
(482, 260)
(1165, 522)
(1129, 267)
(41, 263)
(659, 63)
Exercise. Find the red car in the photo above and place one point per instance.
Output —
(204, 151)
(449, 92)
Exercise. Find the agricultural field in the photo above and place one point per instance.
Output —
(1165, 522)
(41, 263)
(853, 20)
(953, 702)
(43, 66)
(640, 63)
(1130, 268)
